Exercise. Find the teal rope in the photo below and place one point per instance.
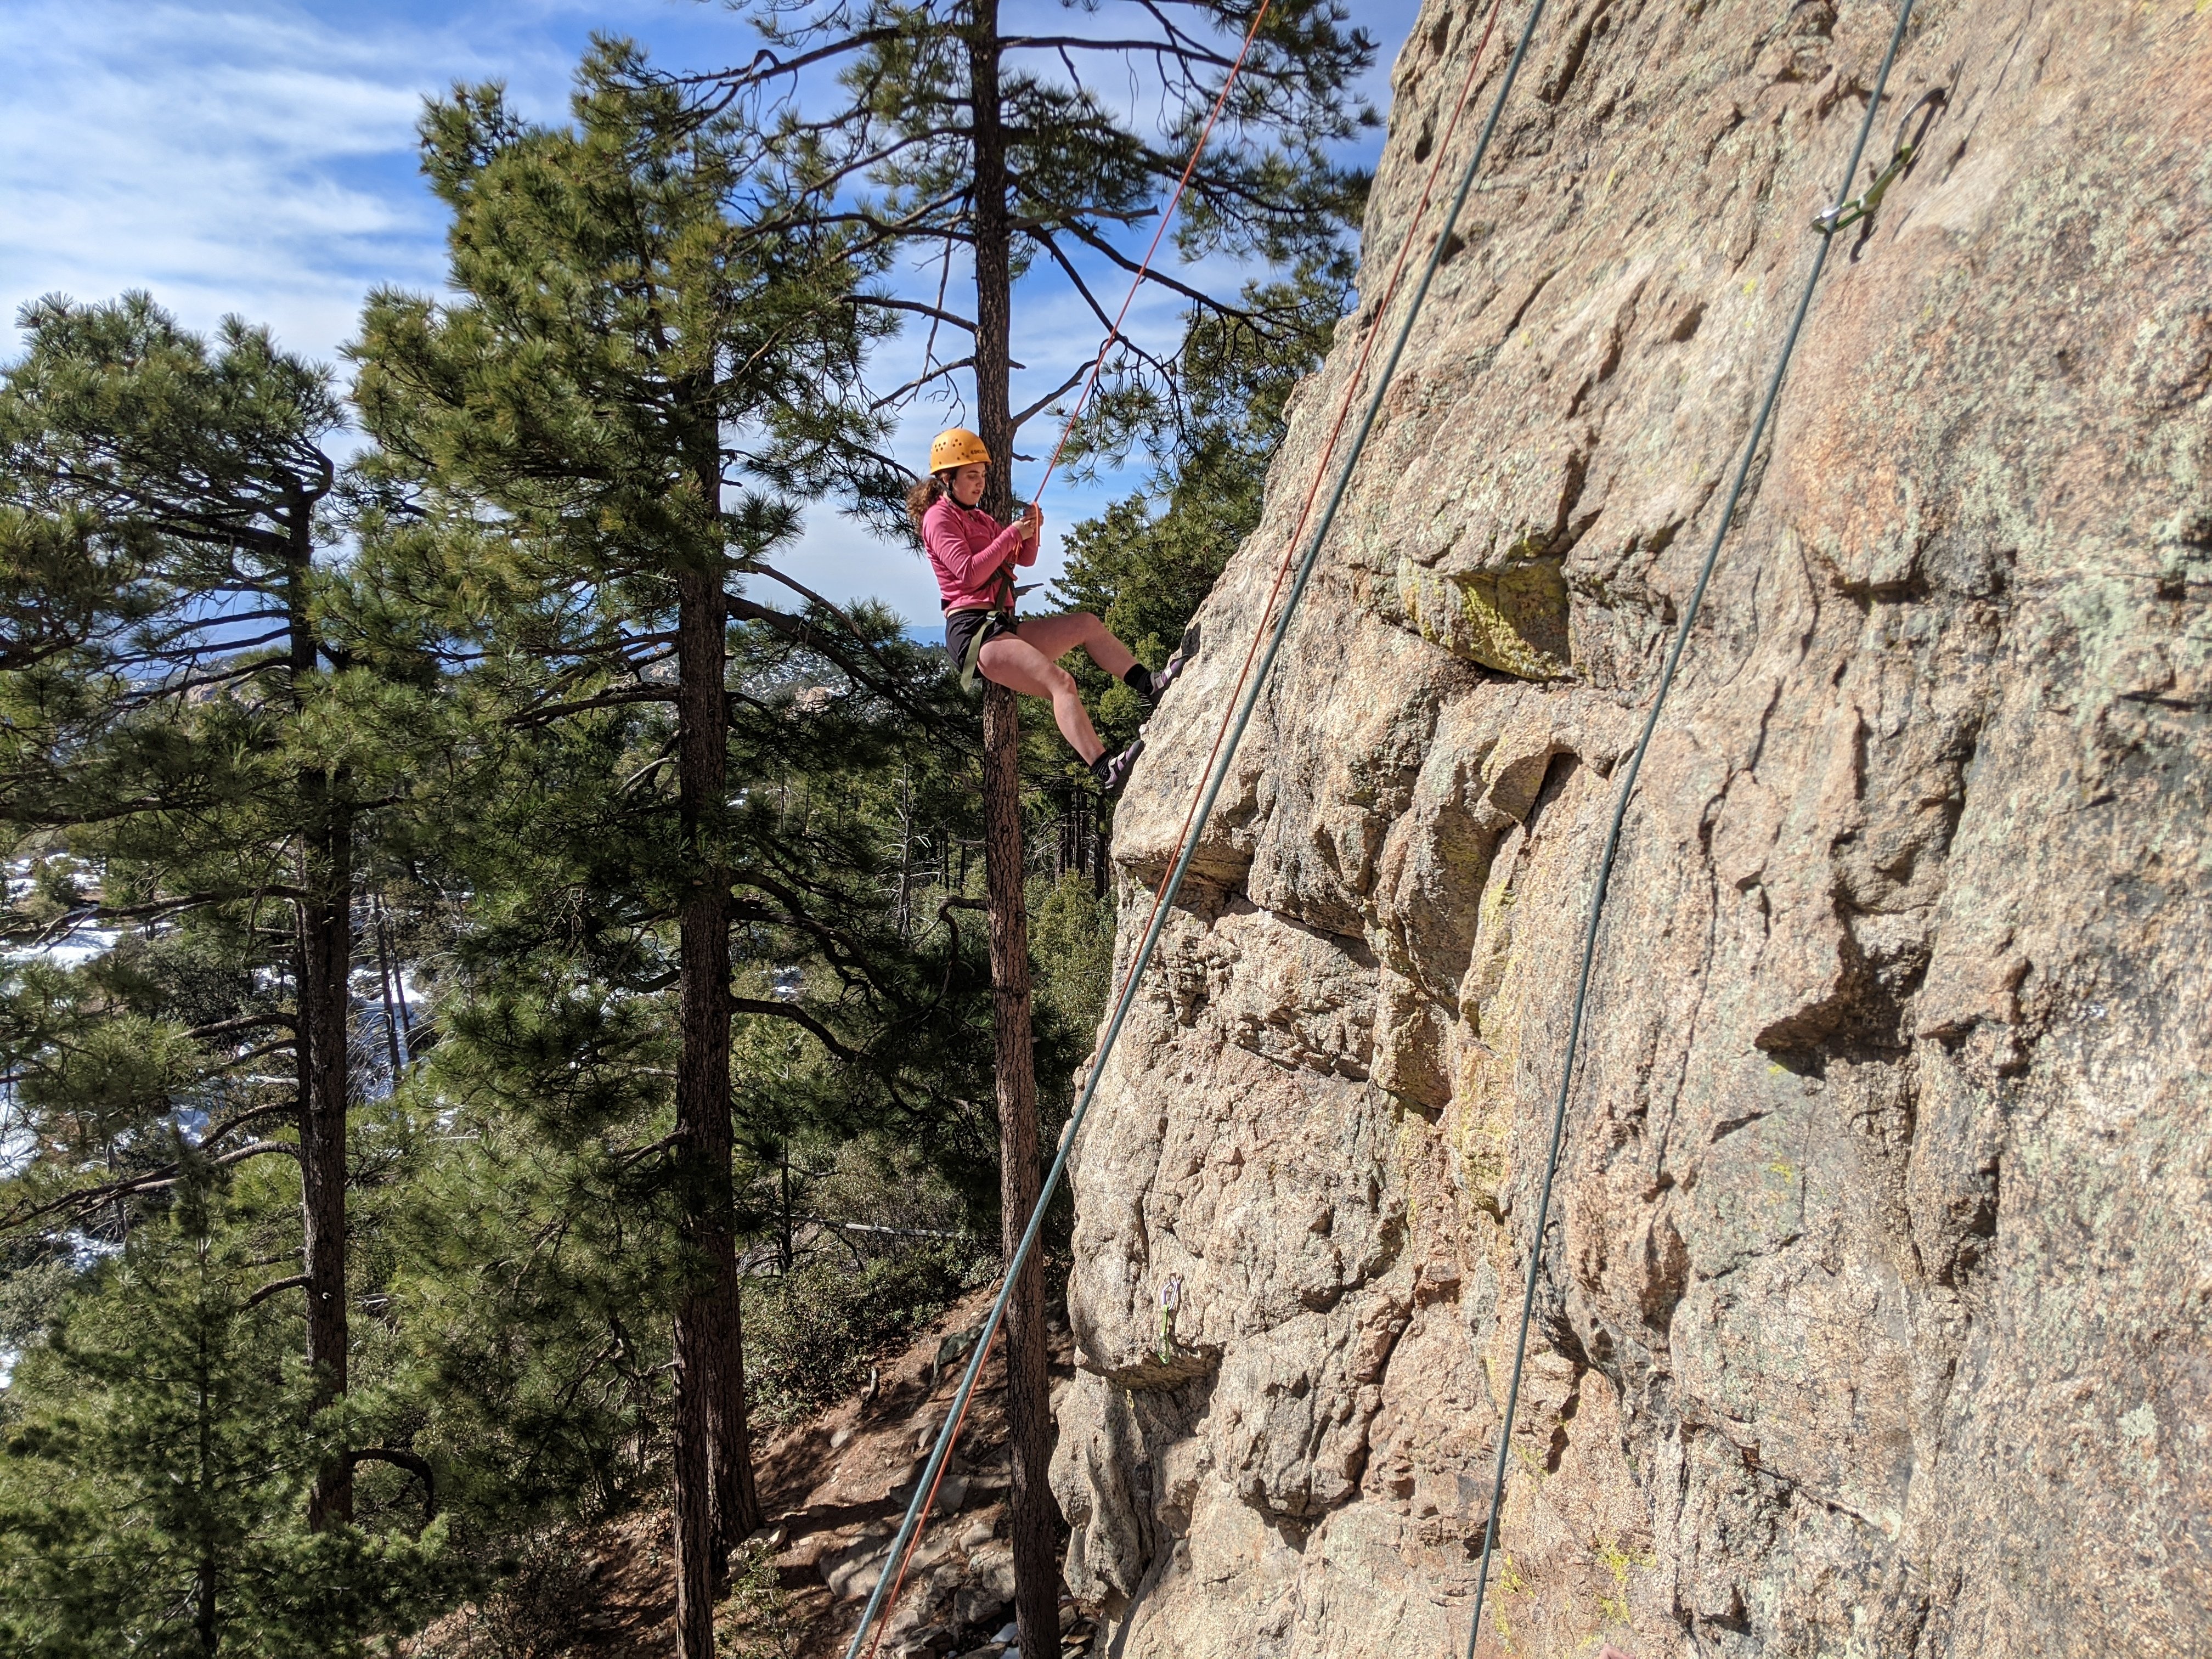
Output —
(1220, 774)
(1620, 813)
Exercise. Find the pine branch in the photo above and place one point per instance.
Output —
(1090, 238)
(1022, 418)
(296, 1281)
(799, 1017)
(85, 1200)
(805, 635)
(247, 1023)
(545, 713)
(917, 306)
(766, 66)
(415, 1465)
(942, 370)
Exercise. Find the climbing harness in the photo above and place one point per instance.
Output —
(993, 625)
(1243, 700)
(1829, 222)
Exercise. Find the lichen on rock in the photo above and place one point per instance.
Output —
(1514, 619)
(1873, 1315)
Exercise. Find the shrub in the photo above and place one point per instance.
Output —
(811, 1334)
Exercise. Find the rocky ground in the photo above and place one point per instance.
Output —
(836, 1489)
(1876, 1316)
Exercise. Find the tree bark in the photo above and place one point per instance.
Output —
(716, 1502)
(324, 967)
(325, 962)
(994, 419)
(205, 1623)
(1029, 1409)
(1029, 1388)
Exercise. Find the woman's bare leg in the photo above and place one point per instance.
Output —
(1055, 636)
(1020, 666)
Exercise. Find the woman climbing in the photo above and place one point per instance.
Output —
(975, 557)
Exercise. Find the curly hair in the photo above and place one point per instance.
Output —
(926, 495)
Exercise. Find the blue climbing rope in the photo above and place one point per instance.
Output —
(1831, 221)
(1215, 778)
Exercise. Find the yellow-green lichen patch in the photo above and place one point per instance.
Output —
(1514, 620)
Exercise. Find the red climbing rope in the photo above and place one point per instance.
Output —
(1144, 265)
(1321, 471)
(1097, 367)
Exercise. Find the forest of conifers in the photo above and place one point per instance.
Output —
(492, 965)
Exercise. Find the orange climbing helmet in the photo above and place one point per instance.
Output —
(956, 447)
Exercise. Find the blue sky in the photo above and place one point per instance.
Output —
(258, 156)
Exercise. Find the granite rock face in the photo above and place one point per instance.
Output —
(1874, 1316)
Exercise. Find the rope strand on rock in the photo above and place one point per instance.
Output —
(1620, 813)
(1250, 686)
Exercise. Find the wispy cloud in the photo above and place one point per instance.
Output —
(258, 156)
(255, 157)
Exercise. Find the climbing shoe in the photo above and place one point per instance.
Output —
(1152, 683)
(1164, 677)
(1113, 771)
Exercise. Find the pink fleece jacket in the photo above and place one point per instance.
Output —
(968, 548)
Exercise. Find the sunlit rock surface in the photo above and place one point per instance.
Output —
(1873, 1319)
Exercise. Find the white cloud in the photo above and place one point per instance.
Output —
(255, 157)
(260, 156)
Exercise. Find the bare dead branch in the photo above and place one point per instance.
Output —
(917, 306)
(1060, 391)
(296, 1281)
(414, 1464)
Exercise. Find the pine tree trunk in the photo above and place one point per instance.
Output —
(325, 963)
(1028, 1394)
(205, 1623)
(1028, 1418)
(716, 1502)
(323, 970)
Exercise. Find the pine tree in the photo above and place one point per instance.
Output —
(539, 1244)
(188, 757)
(578, 453)
(154, 1461)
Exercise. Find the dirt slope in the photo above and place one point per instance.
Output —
(835, 1489)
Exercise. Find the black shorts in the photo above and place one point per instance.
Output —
(961, 627)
